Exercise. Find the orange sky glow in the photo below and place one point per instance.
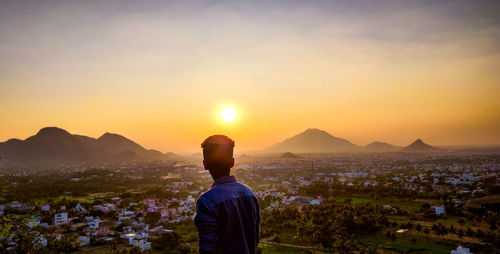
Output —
(160, 73)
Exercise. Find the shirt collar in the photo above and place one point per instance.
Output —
(224, 179)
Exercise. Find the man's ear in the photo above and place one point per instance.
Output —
(232, 163)
(205, 165)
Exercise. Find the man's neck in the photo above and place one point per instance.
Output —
(216, 176)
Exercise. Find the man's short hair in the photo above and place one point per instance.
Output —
(218, 149)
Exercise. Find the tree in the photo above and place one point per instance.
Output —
(461, 221)
(388, 234)
(134, 250)
(393, 237)
(452, 230)
(493, 224)
(276, 239)
(426, 230)
(461, 234)
(170, 241)
(67, 243)
(469, 232)
(413, 240)
(152, 218)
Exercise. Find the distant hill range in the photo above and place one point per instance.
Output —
(419, 146)
(319, 141)
(313, 141)
(381, 147)
(55, 146)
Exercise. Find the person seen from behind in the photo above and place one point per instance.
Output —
(227, 215)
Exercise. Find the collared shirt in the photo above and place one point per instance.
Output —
(228, 218)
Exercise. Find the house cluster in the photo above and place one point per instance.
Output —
(290, 198)
(105, 222)
(458, 178)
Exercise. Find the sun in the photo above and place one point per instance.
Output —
(228, 114)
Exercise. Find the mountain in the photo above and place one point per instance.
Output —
(419, 146)
(381, 147)
(120, 146)
(289, 155)
(55, 146)
(314, 141)
(172, 155)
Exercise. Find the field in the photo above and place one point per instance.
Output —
(279, 249)
(405, 205)
(448, 222)
(405, 245)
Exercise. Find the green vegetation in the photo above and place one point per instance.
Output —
(170, 242)
(188, 230)
(354, 200)
(396, 217)
(404, 245)
(407, 206)
(448, 221)
(279, 249)
(354, 217)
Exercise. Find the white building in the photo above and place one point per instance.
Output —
(190, 199)
(439, 210)
(46, 208)
(80, 208)
(60, 218)
(461, 250)
(15, 205)
(315, 202)
(125, 213)
(143, 244)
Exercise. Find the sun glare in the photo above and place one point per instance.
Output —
(228, 114)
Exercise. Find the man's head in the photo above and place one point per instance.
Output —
(218, 155)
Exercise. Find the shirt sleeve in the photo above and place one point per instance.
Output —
(206, 222)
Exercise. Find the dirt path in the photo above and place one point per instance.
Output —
(314, 249)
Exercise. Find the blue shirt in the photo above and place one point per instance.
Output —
(228, 218)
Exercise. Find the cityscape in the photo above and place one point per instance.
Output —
(438, 201)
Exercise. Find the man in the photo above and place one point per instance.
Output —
(228, 215)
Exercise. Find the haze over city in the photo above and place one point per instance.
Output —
(160, 73)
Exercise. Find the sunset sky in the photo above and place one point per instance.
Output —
(160, 72)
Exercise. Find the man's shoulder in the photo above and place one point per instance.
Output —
(233, 187)
(246, 187)
(223, 192)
